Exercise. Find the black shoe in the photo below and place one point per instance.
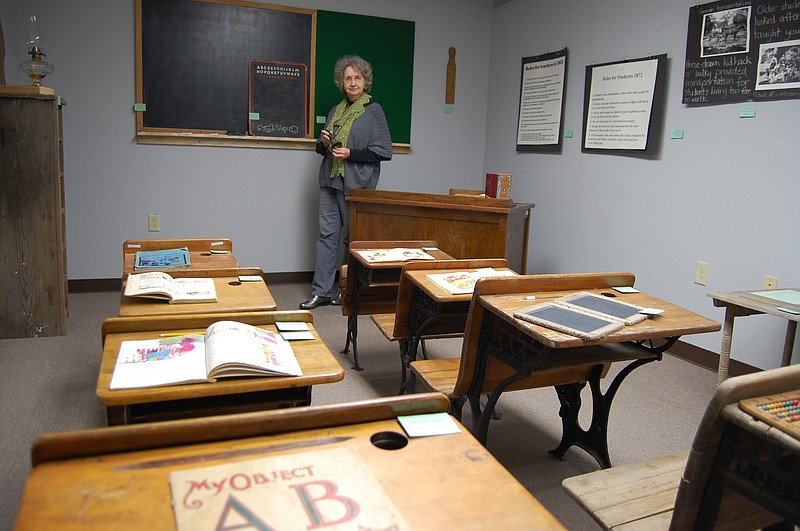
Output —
(315, 301)
(337, 300)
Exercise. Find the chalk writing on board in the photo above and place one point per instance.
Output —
(279, 99)
(743, 50)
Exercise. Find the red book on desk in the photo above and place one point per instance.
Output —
(498, 185)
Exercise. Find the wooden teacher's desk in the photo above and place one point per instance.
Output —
(515, 354)
(204, 253)
(464, 227)
(741, 303)
(226, 395)
(118, 478)
(233, 295)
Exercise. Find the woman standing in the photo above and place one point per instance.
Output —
(353, 143)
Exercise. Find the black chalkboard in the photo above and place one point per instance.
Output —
(194, 60)
(740, 50)
(278, 99)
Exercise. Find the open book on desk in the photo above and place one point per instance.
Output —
(583, 315)
(226, 349)
(160, 285)
(396, 254)
(463, 282)
(162, 259)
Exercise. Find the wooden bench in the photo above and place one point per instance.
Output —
(454, 376)
(666, 493)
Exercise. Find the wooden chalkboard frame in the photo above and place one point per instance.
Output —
(222, 11)
(393, 87)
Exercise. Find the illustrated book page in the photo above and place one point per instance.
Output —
(397, 254)
(160, 285)
(330, 489)
(162, 259)
(463, 282)
(226, 349)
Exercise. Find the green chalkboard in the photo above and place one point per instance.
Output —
(194, 66)
(388, 44)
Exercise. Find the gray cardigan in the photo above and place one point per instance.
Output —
(369, 143)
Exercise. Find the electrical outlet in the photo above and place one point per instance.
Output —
(153, 222)
(770, 282)
(701, 273)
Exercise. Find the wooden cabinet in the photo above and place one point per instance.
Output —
(463, 226)
(33, 260)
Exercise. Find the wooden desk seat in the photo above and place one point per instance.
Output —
(454, 376)
(100, 441)
(666, 493)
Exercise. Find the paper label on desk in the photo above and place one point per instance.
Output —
(790, 296)
(332, 489)
(291, 326)
(297, 336)
(428, 424)
(625, 289)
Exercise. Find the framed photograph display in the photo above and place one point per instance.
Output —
(623, 105)
(541, 102)
(745, 50)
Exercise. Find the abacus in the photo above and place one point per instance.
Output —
(781, 411)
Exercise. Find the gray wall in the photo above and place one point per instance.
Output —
(726, 194)
(264, 199)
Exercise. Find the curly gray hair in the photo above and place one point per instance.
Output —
(358, 64)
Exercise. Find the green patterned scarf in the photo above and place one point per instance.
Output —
(342, 121)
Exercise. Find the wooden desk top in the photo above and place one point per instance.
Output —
(199, 252)
(318, 364)
(436, 201)
(239, 297)
(748, 300)
(438, 293)
(440, 482)
(437, 254)
(675, 321)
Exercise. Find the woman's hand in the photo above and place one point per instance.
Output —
(341, 153)
(325, 136)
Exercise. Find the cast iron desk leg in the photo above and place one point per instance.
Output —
(362, 277)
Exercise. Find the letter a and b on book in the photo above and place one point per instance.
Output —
(226, 349)
(160, 285)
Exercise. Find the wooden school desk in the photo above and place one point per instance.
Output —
(226, 395)
(371, 287)
(118, 477)
(510, 351)
(200, 252)
(426, 309)
(741, 303)
(757, 459)
(232, 295)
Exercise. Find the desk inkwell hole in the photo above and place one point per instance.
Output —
(234, 283)
(389, 440)
(205, 254)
